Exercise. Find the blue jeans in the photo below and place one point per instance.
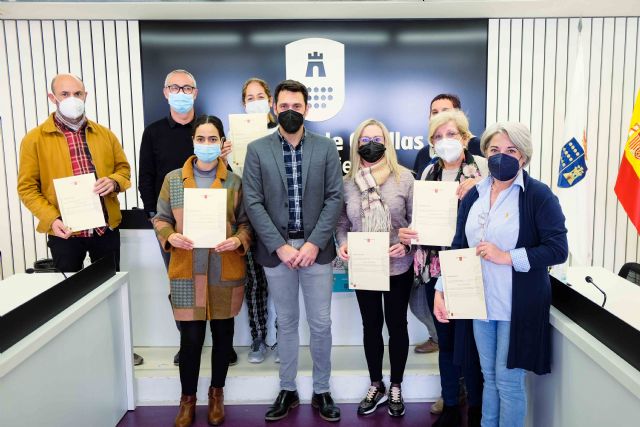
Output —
(450, 373)
(504, 399)
(316, 284)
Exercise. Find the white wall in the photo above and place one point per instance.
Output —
(528, 62)
(106, 55)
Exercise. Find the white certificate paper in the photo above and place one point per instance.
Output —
(245, 128)
(463, 286)
(205, 216)
(435, 212)
(79, 206)
(368, 261)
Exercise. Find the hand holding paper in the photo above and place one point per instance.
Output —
(435, 212)
(245, 128)
(231, 244)
(368, 261)
(179, 241)
(463, 286)
(407, 235)
(205, 216)
(60, 230)
(79, 205)
(104, 186)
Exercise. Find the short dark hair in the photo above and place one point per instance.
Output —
(291, 86)
(453, 98)
(205, 119)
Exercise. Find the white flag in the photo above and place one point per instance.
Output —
(574, 186)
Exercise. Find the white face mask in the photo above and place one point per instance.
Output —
(449, 150)
(257, 106)
(71, 107)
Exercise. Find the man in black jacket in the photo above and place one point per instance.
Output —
(166, 145)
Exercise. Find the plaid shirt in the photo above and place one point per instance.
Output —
(293, 168)
(80, 160)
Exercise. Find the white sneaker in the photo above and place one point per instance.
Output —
(257, 351)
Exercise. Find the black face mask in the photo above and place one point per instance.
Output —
(290, 120)
(372, 151)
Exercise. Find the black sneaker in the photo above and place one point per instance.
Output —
(233, 359)
(137, 359)
(396, 403)
(375, 397)
(176, 358)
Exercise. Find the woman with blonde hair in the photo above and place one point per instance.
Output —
(378, 196)
(449, 135)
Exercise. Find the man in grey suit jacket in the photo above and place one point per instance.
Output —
(292, 184)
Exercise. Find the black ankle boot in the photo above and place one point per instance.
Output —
(450, 417)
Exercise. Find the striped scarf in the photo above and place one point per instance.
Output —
(374, 212)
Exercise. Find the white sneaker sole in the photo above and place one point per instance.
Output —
(256, 357)
(398, 415)
(380, 402)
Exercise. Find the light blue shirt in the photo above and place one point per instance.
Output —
(500, 225)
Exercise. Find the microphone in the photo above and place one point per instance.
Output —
(47, 269)
(588, 279)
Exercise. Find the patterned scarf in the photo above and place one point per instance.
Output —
(73, 125)
(374, 212)
(428, 255)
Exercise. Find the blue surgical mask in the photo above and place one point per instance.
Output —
(503, 167)
(207, 152)
(181, 102)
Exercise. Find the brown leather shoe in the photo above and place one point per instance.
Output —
(429, 346)
(187, 411)
(216, 406)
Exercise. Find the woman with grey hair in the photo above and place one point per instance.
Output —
(517, 227)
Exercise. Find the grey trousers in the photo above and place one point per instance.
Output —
(420, 308)
(316, 284)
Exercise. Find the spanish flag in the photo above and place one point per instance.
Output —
(628, 183)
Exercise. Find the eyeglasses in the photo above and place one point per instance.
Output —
(186, 89)
(210, 140)
(376, 139)
(448, 135)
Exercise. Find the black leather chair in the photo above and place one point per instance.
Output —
(631, 272)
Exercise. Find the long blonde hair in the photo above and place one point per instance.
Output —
(389, 154)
